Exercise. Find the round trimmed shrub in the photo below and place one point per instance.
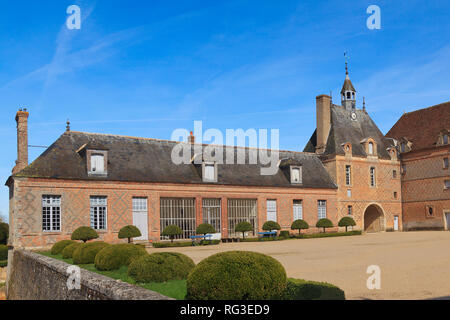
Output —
(59, 246)
(85, 254)
(205, 228)
(237, 275)
(3, 252)
(299, 225)
(84, 234)
(160, 267)
(346, 222)
(324, 223)
(271, 225)
(243, 227)
(117, 255)
(68, 251)
(4, 232)
(129, 232)
(172, 231)
(284, 234)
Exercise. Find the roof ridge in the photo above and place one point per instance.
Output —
(173, 141)
(436, 105)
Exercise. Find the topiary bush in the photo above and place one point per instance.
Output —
(172, 231)
(4, 233)
(160, 267)
(284, 234)
(59, 246)
(129, 232)
(114, 256)
(237, 275)
(85, 254)
(324, 223)
(3, 252)
(299, 289)
(243, 227)
(271, 225)
(299, 225)
(84, 234)
(346, 222)
(68, 251)
(205, 228)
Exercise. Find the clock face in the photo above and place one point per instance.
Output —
(353, 116)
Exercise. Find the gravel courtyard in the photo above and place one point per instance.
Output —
(414, 265)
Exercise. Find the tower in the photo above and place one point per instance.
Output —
(348, 92)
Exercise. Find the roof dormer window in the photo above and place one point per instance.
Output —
(97, 162)
(296, 174)
(370, 148)
(445, 139)
(209, 172)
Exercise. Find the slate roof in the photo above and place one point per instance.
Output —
(422, 127)
(149, 160)
(344, 129)
(347, 86)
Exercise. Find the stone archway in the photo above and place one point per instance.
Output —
(373, 219)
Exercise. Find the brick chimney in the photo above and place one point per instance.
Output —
(191, 138)
(323, 116)
(22, 140)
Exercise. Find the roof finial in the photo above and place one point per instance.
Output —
(364, 104)
(346, 61)
(67, 125)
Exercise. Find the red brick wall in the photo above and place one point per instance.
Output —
(26, 211)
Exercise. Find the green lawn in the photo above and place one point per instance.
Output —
(174, 288)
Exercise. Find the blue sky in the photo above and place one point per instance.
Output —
(146, 68)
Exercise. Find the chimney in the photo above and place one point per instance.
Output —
(323, 116)
(191, 138)
(22, 140)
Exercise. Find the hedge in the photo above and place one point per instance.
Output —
(299, 289)
(114, 256)
(85, 254)
(3, 263)
(59, 246)
(172, 244)
(84, 234)
(327, 235)
(3, 252)
(237, 275)
(68, 251)
(160, 267)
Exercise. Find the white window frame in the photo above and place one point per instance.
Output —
(271, 206)
(321, 209)
(51, 211)
(299, 169)
(297, 209)
(98, 204)
(204, 169)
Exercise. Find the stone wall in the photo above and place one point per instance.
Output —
(37, 277)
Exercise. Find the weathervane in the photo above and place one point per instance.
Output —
(346, 61)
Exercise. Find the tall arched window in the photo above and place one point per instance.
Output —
(445, 138)
(370, 148)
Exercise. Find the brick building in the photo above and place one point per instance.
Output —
(423, 139)
(361, 161)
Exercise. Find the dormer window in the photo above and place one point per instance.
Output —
(296, 174)
(209, 172)
(402, 147)
(370, 146)
(97, 163)
(445, 139)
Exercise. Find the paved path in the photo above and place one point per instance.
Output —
(414, 265)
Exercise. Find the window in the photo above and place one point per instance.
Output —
(98, 212)
(296, 174)
(51, 213)
(348, 95)
(322, 209)
(429, 211)
(370, 148)
(349, 193)
(212, 213)
(140, 216)
(97, 163)
(349, 210)
(271, 210)
(298, 209)
(348, 173)
(209, 172)
(445, 163)
(402, 147)
(447, 184)
(394, 174)
(403, 168)
(372, 177)
(395, 194)
(241, 210)
(445, 139)
(180, 212)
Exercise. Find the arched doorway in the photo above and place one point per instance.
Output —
(373, 219)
